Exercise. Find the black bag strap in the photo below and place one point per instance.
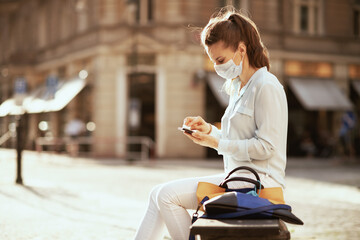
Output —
(243, 168)
(244, 179)
(256, 183)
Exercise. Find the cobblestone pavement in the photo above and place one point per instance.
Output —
(67, 198)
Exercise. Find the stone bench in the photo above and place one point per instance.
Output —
(229, 229)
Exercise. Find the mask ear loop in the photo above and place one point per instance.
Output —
(234, 57)
(235, 64)
(241, 63)
(242, 59)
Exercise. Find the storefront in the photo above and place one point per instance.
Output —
(354, 82)
(316, 104)
(47, 108)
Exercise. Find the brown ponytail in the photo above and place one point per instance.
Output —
(232, 28)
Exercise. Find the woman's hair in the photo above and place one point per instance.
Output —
(232, 28)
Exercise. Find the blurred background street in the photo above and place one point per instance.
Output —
(84, 198)
(93, 91)
(116, 78)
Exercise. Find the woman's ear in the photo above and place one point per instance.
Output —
(242, 48)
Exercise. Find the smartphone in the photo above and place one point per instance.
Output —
(187, 130)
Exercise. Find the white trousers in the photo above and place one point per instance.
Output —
(169, 202)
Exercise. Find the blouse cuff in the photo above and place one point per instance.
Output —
(215, 132)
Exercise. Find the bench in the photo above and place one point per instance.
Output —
(230, 229)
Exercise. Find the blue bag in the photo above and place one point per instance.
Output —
(246, 206)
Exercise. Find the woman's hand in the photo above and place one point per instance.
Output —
(203, 139)
(198, 123)
(201, 136)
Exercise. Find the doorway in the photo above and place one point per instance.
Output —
(141, 108)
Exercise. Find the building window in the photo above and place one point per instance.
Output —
(304, 17)
(237, 4)
(81, 9)
(42, 27)
(357, 23)
(149, 10)
(308, 16)
(354, 71)
(141, 11)
(296, 68)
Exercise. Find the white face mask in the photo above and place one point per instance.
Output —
(229, 70)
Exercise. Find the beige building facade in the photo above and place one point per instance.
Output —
(143, 58)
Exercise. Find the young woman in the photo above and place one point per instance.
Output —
(253, 129)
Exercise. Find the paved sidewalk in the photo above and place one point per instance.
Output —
(67, 198)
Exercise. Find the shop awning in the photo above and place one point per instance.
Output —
(356, 85)
(40, 100)
(215, 83)
(319, 94)
(10, 108)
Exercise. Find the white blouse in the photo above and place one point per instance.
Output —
(254, 127)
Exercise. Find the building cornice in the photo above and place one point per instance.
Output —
(124, 38)
(316, 57)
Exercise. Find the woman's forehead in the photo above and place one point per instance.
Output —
(218, 49)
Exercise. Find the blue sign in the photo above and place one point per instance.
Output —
(20, 90)
(51, 86)
(20, 86)
(348, 122)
